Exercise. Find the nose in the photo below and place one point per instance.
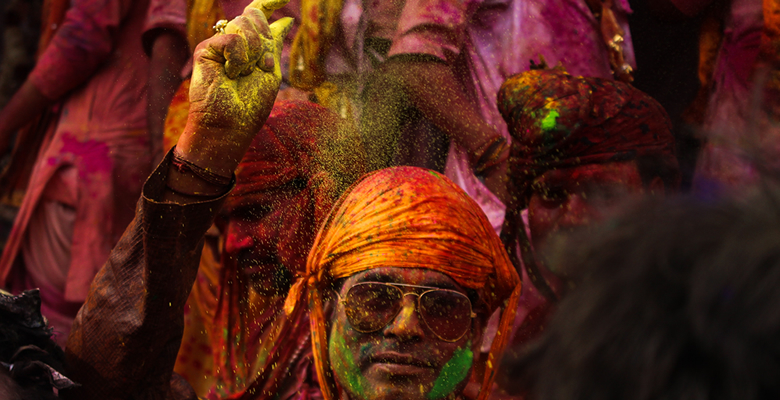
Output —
(577, 212)
(237, 240)
(407, 324)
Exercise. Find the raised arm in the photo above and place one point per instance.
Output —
(125, 339)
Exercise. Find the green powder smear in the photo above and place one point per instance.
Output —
(548, 123)
(452, 373)
(345, 366)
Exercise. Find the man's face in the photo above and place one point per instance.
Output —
(569, 198)
(250, 243)
(245, 236)
(404, 359)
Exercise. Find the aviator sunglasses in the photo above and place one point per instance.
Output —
(370, 306)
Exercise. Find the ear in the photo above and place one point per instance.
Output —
(478, 326)
(329, 302)
(657, 187)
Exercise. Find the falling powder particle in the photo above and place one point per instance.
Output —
(548, 123)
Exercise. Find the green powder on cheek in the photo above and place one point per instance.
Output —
(452, 373)
(548, 123)
(344, 365)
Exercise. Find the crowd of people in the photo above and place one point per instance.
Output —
(419, 199)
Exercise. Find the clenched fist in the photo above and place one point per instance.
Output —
(235, 80)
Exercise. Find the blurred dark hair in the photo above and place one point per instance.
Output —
(28, 355)
(11, 390)
(677, 301)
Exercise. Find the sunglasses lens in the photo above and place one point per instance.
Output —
(447, 313)
(370, 307)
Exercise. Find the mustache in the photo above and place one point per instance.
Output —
(398, 353)
(393, 357)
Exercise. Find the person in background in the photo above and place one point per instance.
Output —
(447, 61)
(108, 64)
(298, 165)
(675, 300)
(738, 49)
(582, 148)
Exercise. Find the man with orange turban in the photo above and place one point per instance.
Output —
(580, 148)
(413, 270)
(399, 283)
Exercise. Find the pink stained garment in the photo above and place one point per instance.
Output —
(494, 39)
(97, 67)
(733, 126)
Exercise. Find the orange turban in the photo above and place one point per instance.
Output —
(407, 217)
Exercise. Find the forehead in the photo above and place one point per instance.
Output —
(625, 172)
(409, 276)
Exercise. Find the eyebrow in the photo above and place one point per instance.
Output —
(376, 276)
(389, 278)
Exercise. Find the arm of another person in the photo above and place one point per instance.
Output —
(429, 37)
(25, 105)
(125, 338)
(434, 89)
(83, 42)
(168, 56)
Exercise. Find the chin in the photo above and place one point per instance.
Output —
(381, 386)
(400, 391)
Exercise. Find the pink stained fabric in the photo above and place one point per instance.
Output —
(733, 125)
(97, 67)
(494, 39)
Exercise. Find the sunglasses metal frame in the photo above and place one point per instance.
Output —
(399, 287)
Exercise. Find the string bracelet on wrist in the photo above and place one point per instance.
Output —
(197, 195)
(490, 154)
(184, 166)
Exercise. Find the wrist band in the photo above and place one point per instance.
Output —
(184, 166)
(196, 194)
(490, 154)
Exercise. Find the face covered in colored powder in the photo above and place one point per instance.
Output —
(566, 199)
(404, 359)
(247, 244)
